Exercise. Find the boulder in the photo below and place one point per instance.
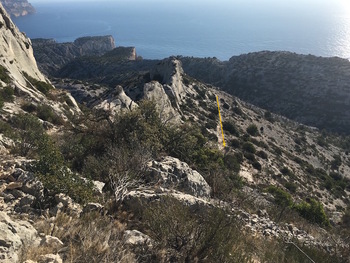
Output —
(136, 238)
(30, 184)
(170, 172)
(93, 207)
(137, 199)
(52, 242)
(114, 100)
(14, 234)
(50, 258)
(65, 204)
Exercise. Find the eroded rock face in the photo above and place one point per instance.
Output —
(114, 101)
(172, 173)
(154, 91)
(13, 236)
(169, 72)
(17, 54)
(94, 45)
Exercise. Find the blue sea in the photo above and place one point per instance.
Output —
(199, 28)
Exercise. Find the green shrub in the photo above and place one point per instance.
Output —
(268, 116)
(7, 130)
(250, 156)
(336, 162)
(193, 236)
(230, 127)
(256, 165)
(346, 218)
(29, 107)
(55, 175)
(237, 110)
(285, 171)
(321, 141)
(7, 94)
(313, 211)
(248, 147)
(232, 162)
(30, 133)
(4, 75)
(262, 155)
(235, 143)
(211, 124)
(252, 130)
(292, 187)
(43, 87)
(46, 113)
(282, 198)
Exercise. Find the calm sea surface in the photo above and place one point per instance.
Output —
(207, 28)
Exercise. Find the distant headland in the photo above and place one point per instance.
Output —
(18, 8)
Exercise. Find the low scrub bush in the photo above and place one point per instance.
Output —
(57, 177)
(4, 75)
(253, 130)
(40, 85)
(30, 134)
(194, 236)
(230, 127)
(46, 113)
(313, 211)
(90, 238)
(248, 147)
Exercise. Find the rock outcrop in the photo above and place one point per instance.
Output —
(18, 8)
(17, 54)
(169, 72)
(113, 101)
(51, 55)
(15, 234)
(171, 173)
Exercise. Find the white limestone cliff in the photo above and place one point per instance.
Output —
(16, 55)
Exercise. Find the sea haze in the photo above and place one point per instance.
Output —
(221, 28)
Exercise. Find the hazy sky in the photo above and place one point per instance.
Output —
(340, 5)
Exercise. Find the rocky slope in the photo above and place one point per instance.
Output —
(308, 89)
(279, 153)
(18, 7)
(16, 51)
(51, 55)
(20, 74)
(141, 173)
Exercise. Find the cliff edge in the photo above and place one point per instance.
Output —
(52, 55)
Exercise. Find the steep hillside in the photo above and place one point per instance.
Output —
(275, 159)
(139, 171)
(21, 82)
(308, 89)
